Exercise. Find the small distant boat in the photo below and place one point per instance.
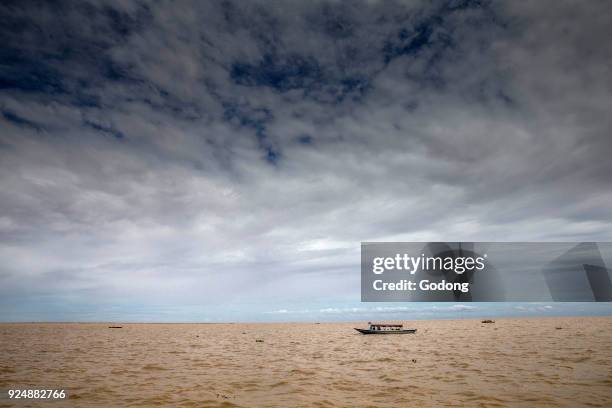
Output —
(380, 328)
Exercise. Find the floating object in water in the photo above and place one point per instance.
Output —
(488, 321)
(115, 327)
(381, 328)
(259, 341)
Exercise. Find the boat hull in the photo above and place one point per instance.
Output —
(403, 331)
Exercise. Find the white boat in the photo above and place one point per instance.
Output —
(382, 328)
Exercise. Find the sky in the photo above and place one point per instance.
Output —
(223, 160)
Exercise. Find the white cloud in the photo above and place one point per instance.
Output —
(207, 152)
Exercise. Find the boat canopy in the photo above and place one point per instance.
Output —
(386, 325)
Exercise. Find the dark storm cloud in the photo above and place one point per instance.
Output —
(199, 149)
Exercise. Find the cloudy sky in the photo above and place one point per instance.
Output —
(223, 160)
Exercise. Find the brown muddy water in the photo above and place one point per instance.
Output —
(513, 362)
